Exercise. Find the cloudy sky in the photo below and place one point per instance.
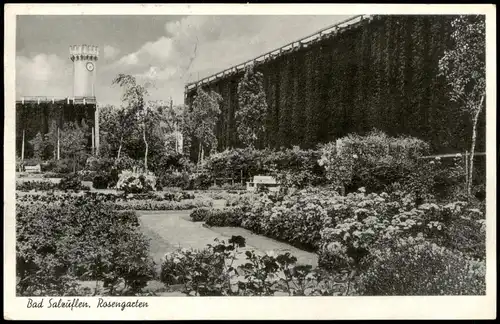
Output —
(160, 48)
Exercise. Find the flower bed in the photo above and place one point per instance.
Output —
(61, 241)
(68, 182)
(218, 217)
(119, 201)
(162, 205)
(348, 231)
(418, 267)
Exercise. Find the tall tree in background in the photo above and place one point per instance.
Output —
(38, 145)
(252, 107)
(463, 65)
(202, 118)
(51, 139)
(117, 124)
(73, 142)
(134, 98)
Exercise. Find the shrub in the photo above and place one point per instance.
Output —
(114, 176)
(313, 219)
(377, 144)
(199, 214)
(174, 179)
(36, 185)
(224, 217)
(63, 166)
(178, 195)
(162, 205)
(86, 175)
(418, 267)
(466, 233)
(201, 181)
(132, 182)
(202, 273)
(71, 182)
(374, 161)
(126, 163)
(244, 163)
(101, 181)
(78, 238)
(211, 272)
(53, 175)
(101, 164)
(299, 179)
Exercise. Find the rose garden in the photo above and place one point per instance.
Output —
(361, 215)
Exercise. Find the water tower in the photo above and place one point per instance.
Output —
(84, 59)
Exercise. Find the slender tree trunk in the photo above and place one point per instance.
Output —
(146, 152)
(473, 146)
(22, 148)
(199, 153)
(58, 145)
(120, 148)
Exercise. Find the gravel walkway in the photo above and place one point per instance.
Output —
(169, 230)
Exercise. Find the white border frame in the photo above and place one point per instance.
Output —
(481, 307)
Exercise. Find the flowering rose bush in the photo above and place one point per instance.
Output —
(415, 266)
(343, 229)
(132, 182)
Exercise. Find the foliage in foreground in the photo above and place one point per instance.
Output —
(419, 267)
(213, 272)
(407, 267)
(64, 241)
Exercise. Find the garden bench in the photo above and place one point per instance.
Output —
(266, 181)
(33, 168)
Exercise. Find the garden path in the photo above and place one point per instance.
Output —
(169, 230)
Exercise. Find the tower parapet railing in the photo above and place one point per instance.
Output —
(83, 52)
(69, 100)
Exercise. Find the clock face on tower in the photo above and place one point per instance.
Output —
(90, 66)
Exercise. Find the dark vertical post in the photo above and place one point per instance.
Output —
(22, 148)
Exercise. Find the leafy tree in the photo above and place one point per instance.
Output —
(252, 107)
(38, 144)
(135, 99)
(174, 124)
(51, 140)
(463, 65)
(116, 125)
(201, 119)
(142, 122)
(73, 142)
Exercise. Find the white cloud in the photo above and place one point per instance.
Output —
(130, 59)
(43, 75)
(218, 41)
(110, 52)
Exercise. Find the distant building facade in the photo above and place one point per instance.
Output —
(36, 114)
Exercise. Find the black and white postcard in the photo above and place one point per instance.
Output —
(250, 161)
